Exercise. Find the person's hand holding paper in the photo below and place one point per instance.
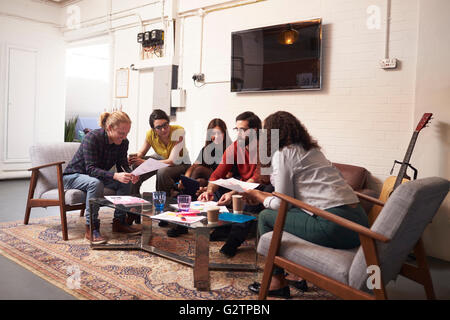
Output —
(147, 166)
(235, 185)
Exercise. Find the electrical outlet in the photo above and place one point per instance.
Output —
(199, 77)
(388, 63)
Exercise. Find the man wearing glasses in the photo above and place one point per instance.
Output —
(168, 143)
(243, 155)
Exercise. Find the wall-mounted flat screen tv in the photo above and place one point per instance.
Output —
(280, 57)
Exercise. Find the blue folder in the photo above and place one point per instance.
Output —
(235, 217)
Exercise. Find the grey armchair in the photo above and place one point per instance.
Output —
(46, 183)
(394, 234)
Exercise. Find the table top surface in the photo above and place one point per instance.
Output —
(146, 209)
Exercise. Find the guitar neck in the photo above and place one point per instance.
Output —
(404, 167)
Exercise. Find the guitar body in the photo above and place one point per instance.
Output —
(387, 189)
(394, 181)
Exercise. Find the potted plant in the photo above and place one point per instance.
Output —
(69, 129)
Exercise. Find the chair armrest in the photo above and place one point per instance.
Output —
(46, 165)
(369, 198)
(333, 218)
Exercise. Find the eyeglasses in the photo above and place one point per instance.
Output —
(241, 130)
(163, 126)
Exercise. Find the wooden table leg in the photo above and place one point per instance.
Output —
(201, 264)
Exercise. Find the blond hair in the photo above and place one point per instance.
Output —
(113, 119)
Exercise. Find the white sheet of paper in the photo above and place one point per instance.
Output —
(235, 185)
(149, 165)
(175, 216)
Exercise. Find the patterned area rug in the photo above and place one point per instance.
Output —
(126, 275)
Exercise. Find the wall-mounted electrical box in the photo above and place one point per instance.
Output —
(165, 78)
(152, 43)
(388, 63)
(178, 98)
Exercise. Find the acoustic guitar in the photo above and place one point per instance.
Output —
(393, 182)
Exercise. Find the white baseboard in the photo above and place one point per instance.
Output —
(4, 175)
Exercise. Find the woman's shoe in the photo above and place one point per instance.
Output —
(300, 285)
(163, 223)
(284, 292)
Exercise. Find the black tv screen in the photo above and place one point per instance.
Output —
(280, 57)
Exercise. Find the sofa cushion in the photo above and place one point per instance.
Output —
(334, 263)
(355, 176)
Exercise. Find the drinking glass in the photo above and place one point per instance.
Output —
(184, 202)
(159, 199)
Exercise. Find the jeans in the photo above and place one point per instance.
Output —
(94, 189)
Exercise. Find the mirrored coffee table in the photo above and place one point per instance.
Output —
(201, 230)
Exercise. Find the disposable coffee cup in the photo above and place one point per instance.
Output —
(238, 203)
(213, 214)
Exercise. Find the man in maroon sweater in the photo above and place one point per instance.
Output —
(243, 155)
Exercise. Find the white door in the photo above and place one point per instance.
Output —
(20, 103)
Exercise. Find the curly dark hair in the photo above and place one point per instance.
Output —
(291, 131)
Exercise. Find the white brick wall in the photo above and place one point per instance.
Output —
(362, 116)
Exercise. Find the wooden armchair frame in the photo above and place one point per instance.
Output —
(60, 202)
(367, 237)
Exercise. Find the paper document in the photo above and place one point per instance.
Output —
(149, 165)
(235, 185)
(125, 199)
(202, 206)
(177, 217)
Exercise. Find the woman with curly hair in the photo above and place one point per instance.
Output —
(300, 170)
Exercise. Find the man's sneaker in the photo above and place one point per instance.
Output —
(163, 223)
(176, 231)
(133, 218)
(97, 238)
(125, 228)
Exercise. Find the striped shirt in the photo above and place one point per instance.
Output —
(96, 156)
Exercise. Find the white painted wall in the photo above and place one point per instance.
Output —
(48, 41)
(432, 94)
(363, 115)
